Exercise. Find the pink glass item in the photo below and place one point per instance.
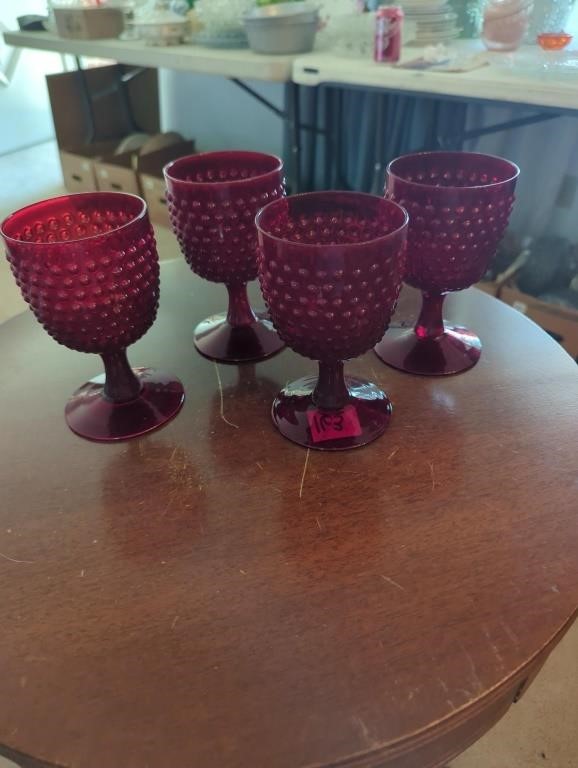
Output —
(554, 41)
(505, 23)
(459, 204)
(87, 265)
(213, 200)
(331, 266)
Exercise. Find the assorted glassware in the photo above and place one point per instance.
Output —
(220, 23)
(213, 199)
(505, 23)
(88, 267)
(459, 205)
(549, 17)
(330, 265)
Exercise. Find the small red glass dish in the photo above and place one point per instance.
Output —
(330, 267)
(88, 267)
(459, 204)
(213, 199)
(554, 41)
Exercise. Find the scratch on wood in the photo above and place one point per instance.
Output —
(513, 637)
(242, 571)
(304, 472)
(474, 672)
(393, 582)
(465, 691)
(318, 523)
(174, 622)
(432, 473)
(14, 560)
(259, 465)
(392, 454)
(223, 417)
(443, 685)
(82, 573)
(497, 653)
(363, 730)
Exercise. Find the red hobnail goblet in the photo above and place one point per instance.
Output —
(213, 199)
(331, 266)
(459, 204)
(87, 264)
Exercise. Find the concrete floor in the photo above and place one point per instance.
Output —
(541, 731)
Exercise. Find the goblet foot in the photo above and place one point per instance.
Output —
(455, 351)
(363, 419)
(91, 415)
(217, 339)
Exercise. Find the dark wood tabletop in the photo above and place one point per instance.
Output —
(213, 596)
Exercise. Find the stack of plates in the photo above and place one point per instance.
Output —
(434, 21)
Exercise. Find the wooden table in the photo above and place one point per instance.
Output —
(213, 596)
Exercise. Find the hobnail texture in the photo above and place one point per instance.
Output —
(459, 205)
(88, 267)
(90, 274)
(330, 303)
(331, 266)
(213, 199)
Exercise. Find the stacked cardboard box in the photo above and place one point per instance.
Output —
(94, 113)
(94, 110)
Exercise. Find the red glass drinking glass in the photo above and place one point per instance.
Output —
(331, 266)
(213, 199)
(459, 204)
(88, 267)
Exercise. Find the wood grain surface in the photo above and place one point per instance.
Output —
(212, 596)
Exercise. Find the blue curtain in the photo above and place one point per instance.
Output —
(363, 131)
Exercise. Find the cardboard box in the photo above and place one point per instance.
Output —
(117, 173)
(152, 181)
(123, 172)
(78, 168)
(561, 323)
(92, 113)
(88, 23)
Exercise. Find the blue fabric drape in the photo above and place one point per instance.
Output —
(365, 130)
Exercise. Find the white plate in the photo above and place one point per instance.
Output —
(435, 39)
(434, 29)
(426, 7)
(434, 16)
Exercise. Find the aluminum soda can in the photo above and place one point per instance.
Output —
(388, 24)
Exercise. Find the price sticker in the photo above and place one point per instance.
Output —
(333, 425)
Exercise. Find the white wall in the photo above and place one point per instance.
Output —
(219, 115)
(24, 107)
